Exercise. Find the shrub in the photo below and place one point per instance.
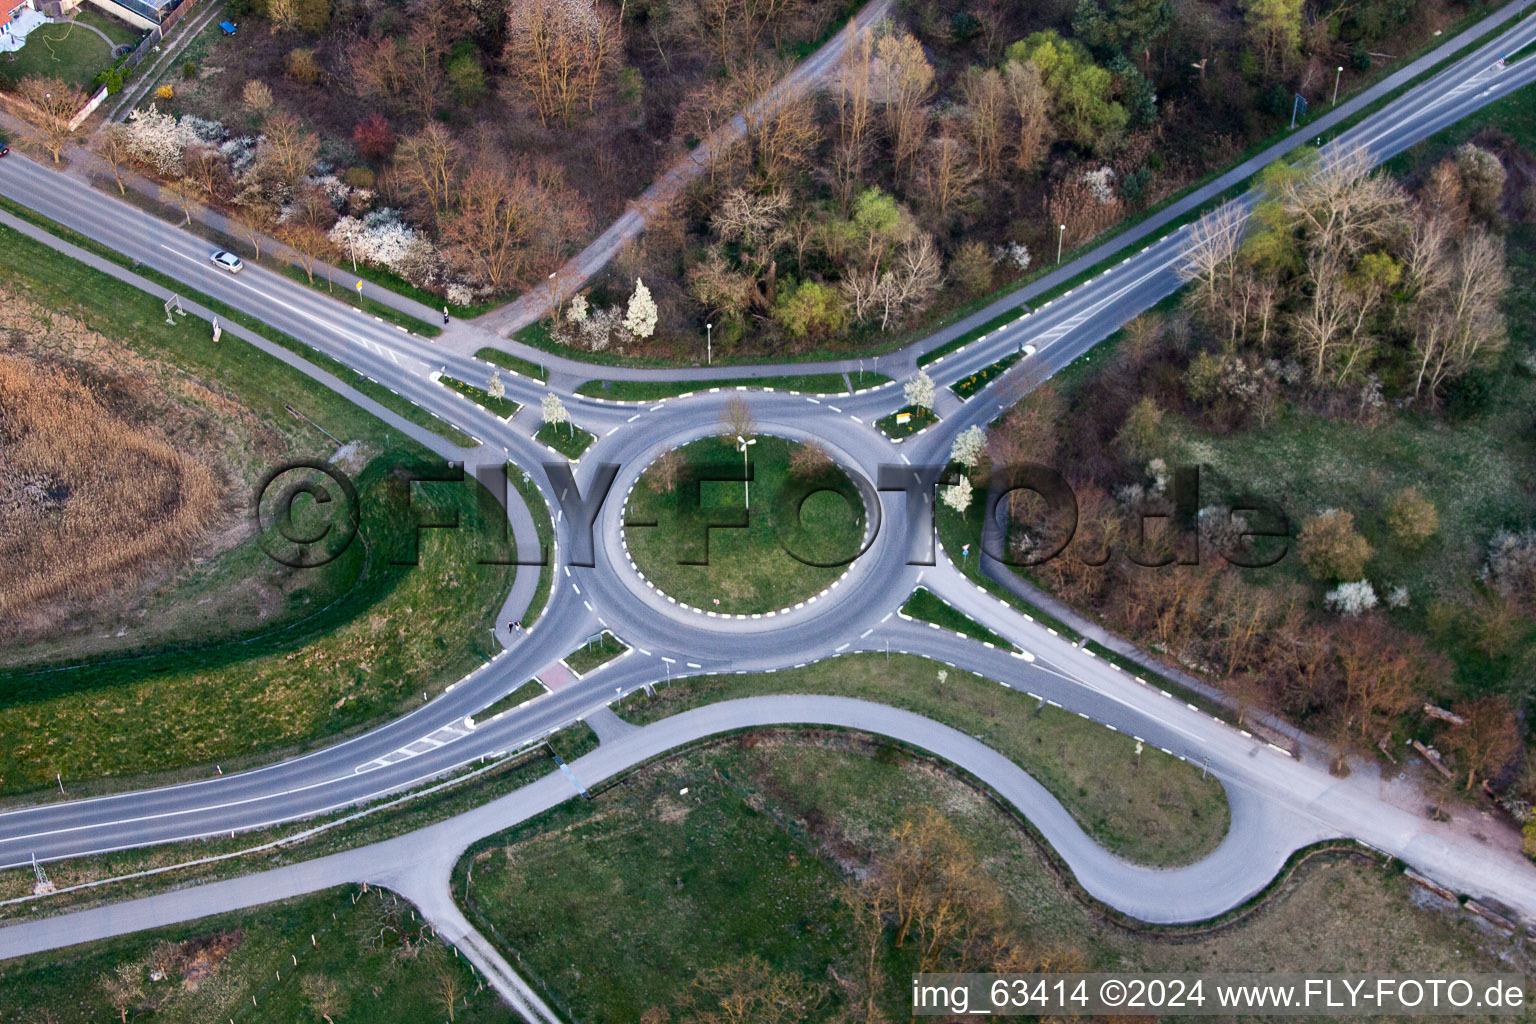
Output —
(301, 65)
(1511, 567)
(1350, 599)
(1139, 432)
(165, 92)
(360, 177)
(1330, 547)
(1412, 518)
(257, 96)
(374, 138)
(189, 70)
(971, 268)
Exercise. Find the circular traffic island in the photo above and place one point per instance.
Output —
(692, 534)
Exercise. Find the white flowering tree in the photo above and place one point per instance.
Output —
(640, 318)
(958, 495)
(383, 239)
(554, 410)
(494, 387)
(1014, 255)
(968, 447)
(576, 309)
(1350, 599)
(160, 140)
(919, 391)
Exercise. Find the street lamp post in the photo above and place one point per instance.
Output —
(1336, 73)
(742, 444)
(1061, 236)
(352, 246)
(709, 344)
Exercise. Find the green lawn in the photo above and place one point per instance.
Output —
(924, 605)
(566, 438)
(649, 391)
(119, 32)
(1155, 810)
(749, 569)
(503, 407)
(330, 667)
(371, 962)
(595, 653)
(620, 905)
(64, 51)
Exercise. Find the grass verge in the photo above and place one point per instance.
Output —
(569, 440)
(517, 364)
(968, 385)
(522, 695)
(1154, 810)
(503, 407)
(594, 653)
(650, 391)
(925, 605)
(916, 418)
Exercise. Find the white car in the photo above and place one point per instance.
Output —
(1028, 350)
(228, 261)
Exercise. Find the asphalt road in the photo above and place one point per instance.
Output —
(672, 641)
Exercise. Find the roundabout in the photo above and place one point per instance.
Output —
(745, 535)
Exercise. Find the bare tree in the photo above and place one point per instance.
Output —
(855, 91)
(112, 145)
(324, 995)
(287, 148)
(427, 166)
(254, 215)
(1489, 738)
(948, 175)
(737, 418)
(1209, 263)
(310, 243)
(182, 192)
(986, 117)
(780, 122)
(1031, 103)
(447, 986)
(1459, 322)
(500, 215)
(905, 82)
(422, 53)
(48, 105)
(123, 987)
(378, 68)
(564, 52)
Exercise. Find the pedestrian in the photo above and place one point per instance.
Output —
(445, 316)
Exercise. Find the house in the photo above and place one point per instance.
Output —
(145, 14)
